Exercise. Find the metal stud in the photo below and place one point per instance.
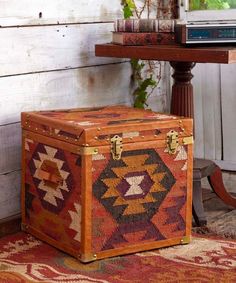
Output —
(85, 144)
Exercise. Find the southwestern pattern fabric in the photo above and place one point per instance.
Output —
(138, 199)
(25, 259)
(104, 116)
(53, 189)
(99, 123)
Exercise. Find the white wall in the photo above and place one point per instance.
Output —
(215, 115)
(47, 61)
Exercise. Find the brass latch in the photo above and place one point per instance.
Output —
(116, 147)
(188, 140)
(172, 141)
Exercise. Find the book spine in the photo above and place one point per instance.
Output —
(147, 39)
(144, 25)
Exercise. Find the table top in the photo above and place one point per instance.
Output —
(198, 54)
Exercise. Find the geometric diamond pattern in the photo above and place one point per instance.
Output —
(144, 197)
(134, 187)
(51, 177)
(131, 190)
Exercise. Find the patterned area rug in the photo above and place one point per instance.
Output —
(221, 219)
(25, 259)
(224, 225)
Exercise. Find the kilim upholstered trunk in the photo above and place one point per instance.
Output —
(107, 181)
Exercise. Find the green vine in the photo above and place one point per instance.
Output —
(141, 93)
(145, 84)
(128, 8)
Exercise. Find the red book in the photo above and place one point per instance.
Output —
(143, 38)
(144, 25)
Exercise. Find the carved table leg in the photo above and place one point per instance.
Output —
(182, 90)
(216, 182)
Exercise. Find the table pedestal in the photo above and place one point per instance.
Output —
(182, 105)
(182, 89)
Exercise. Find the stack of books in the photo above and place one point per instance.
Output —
(143, 32)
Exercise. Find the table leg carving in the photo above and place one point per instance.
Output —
(217, 185)
(182, 89)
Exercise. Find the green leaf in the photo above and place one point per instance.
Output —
(139, 104)
(148, 82)
(131, 4)
(127, 12)
(128, 7)
(137, 66)
(140, 98)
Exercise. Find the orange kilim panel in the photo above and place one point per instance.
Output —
(53, 191)
(139, 198)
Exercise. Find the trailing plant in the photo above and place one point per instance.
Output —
(128, 8)
(143, 71)
(145, 85)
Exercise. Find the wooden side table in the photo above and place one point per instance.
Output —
(183, 59)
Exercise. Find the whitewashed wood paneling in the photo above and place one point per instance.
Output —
(92, 86)
(10, 194)
(38, 12)
(159, 100)
(85, 87)
(198, 111)
(36, 49)
(228, 95)
(207, 111)
(46, 54)
(10, 148)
